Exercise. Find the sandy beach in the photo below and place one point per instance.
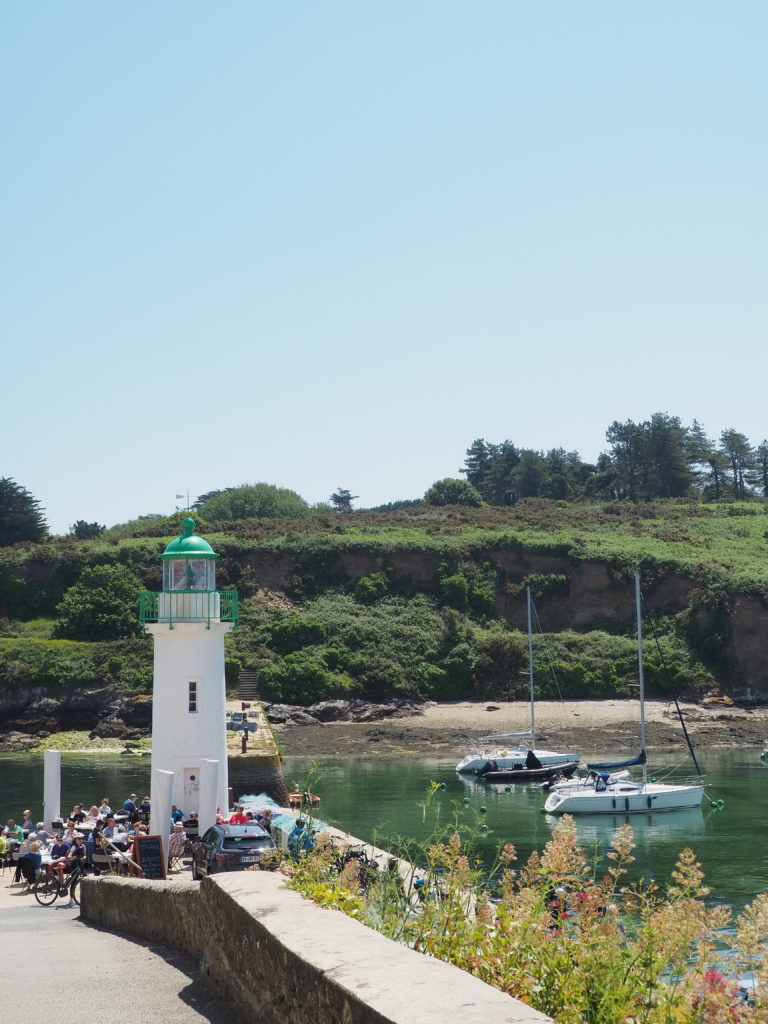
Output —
(597, 728)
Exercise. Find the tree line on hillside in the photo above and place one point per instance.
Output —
(655, 459)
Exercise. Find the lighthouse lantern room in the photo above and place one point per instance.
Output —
(189, 619)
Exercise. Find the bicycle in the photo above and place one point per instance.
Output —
(367, 868)
(52, 888)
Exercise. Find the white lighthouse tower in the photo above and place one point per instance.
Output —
(189, 619)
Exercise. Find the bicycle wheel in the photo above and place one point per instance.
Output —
(47, 891)
(74, 891)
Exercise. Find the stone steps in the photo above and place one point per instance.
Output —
(248, 686)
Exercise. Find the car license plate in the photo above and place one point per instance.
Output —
(248, 860)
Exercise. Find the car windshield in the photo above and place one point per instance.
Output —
(246, 842)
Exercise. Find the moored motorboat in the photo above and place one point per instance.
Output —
(304, 799)
(521, 773)
(506, 749)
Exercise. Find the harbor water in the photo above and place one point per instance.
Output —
(385, 801)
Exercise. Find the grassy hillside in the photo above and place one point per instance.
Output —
(420, 602)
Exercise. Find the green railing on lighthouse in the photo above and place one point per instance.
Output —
(173, 606)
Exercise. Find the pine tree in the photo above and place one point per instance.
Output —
(21, 517)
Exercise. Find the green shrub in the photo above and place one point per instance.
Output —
(303, 678)
(454, 592)
(451, 491)
(369, 589)
(294, 632)
(254, 501)
(103, 605)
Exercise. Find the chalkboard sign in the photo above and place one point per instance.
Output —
(148, 853)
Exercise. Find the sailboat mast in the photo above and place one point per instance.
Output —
(530, 671)
(640, 677)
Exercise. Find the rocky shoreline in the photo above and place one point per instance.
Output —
(597, 728)
(404, 728)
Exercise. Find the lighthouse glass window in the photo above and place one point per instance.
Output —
(189, 574)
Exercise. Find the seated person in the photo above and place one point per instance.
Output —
(59, 848)
(43, 835)
(238, 816)
(143, 810)
(129, 805)
(92, 815)
(26, 821)
(176, 842)
(100, 849)
(13, 831)
(69, 833)
(140, 830)
(76, 855)
(22, 849)
(109, 827)
(90, 844)
(104, 809)
(78, 815)
(29, 862)
(176, 814)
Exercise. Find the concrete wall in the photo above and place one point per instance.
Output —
(285, 960)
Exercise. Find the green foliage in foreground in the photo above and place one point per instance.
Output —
(582, 947)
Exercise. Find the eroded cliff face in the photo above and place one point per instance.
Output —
(594, 598)
(749, 648)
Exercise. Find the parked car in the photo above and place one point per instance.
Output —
(235, 721)
(230, 848)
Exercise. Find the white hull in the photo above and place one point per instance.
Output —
(623, 798)
(507, 757)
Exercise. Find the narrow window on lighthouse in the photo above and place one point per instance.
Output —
(192, 706)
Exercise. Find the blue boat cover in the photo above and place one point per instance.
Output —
(611, 766)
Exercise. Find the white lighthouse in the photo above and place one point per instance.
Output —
(189, 619)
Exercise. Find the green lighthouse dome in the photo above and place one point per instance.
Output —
(189, 545)
(189, 562)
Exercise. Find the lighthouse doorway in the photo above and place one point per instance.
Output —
(191, 789)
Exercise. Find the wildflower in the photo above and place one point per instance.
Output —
(508, 853)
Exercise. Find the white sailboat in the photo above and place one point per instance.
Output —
(505, 749)
(600, 792)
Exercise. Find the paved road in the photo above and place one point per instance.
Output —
(53, 962)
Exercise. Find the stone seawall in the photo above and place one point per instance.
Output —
(257, 773)
(284, 960)
(259, 768)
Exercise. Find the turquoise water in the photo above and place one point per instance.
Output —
(379, 800)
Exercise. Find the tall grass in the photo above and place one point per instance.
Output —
(564, 934)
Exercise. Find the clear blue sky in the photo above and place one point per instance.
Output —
(330, 244)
